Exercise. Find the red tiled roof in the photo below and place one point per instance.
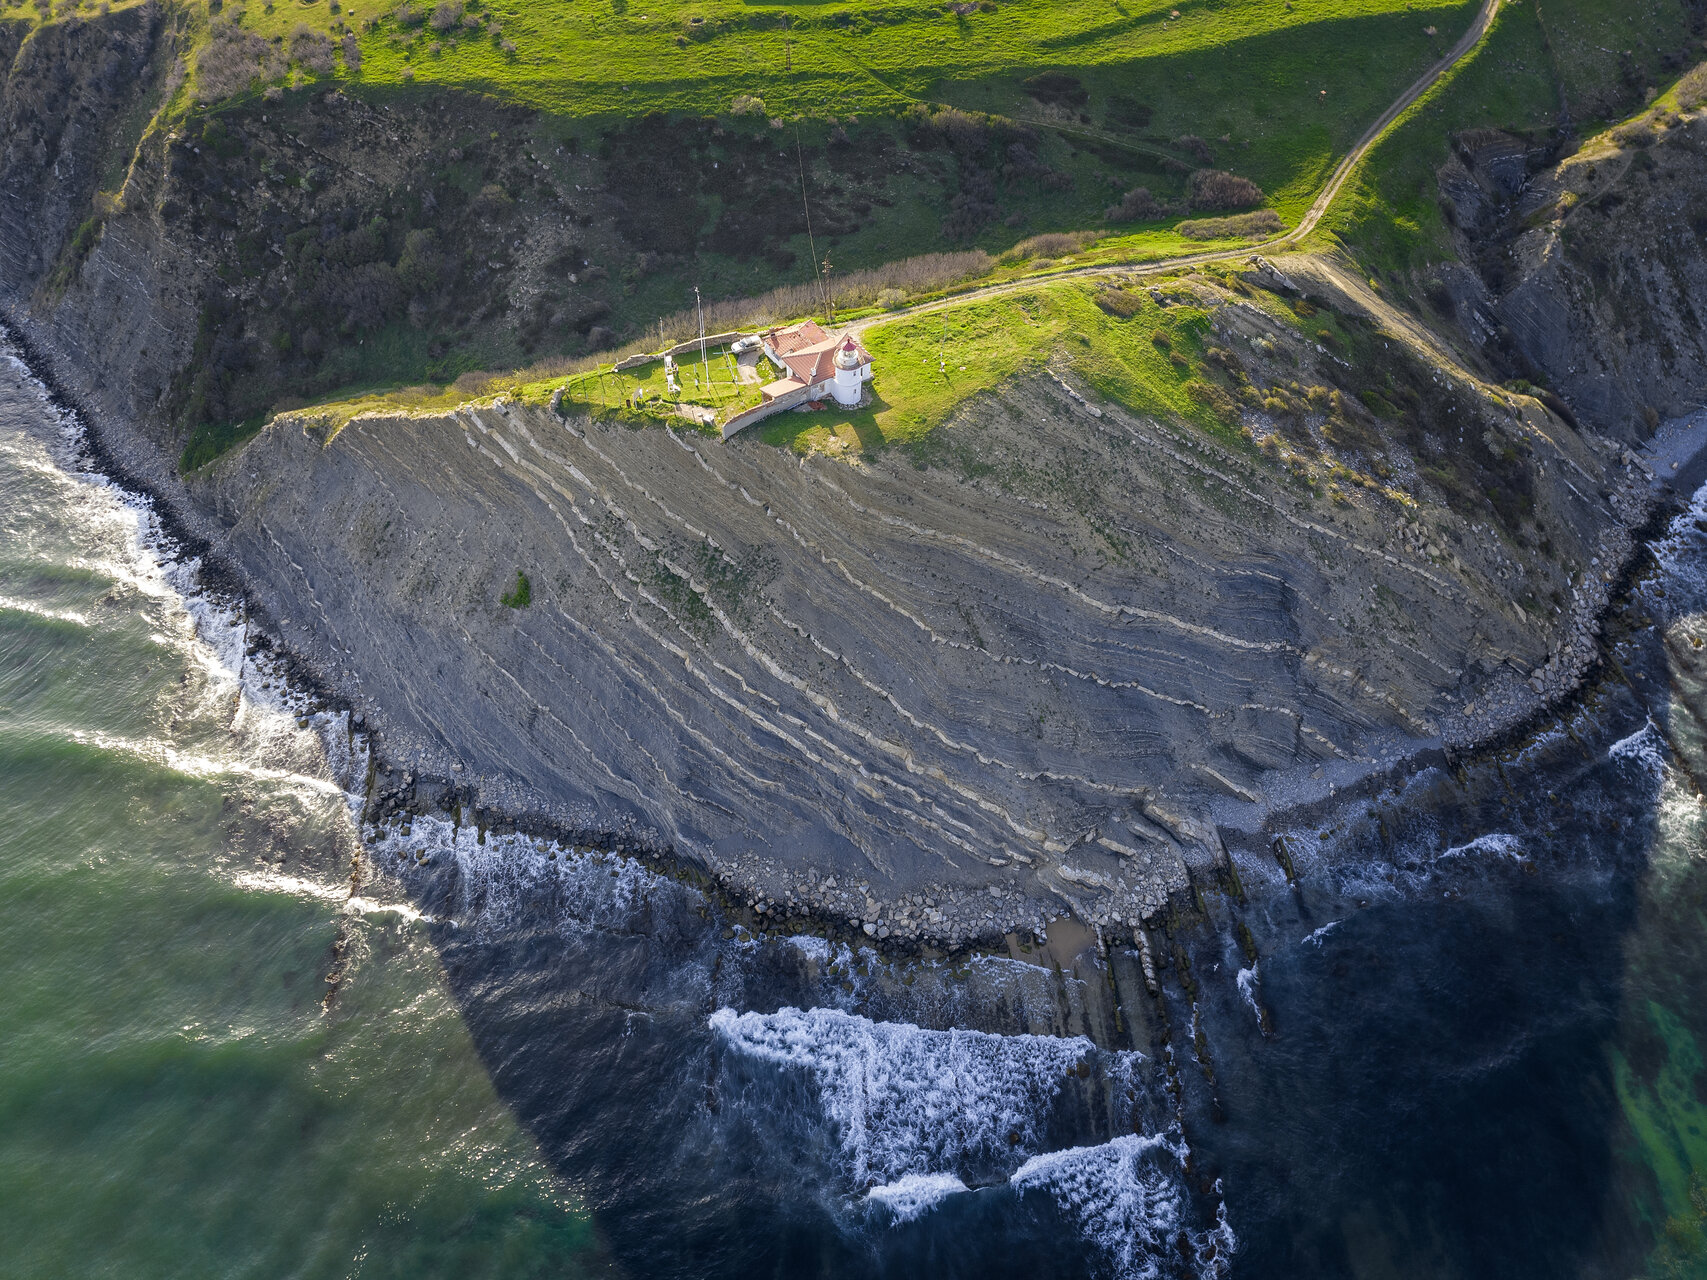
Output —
(786, 342)
(809, 352)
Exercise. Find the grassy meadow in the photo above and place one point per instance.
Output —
(712, 123)
(1131, 350)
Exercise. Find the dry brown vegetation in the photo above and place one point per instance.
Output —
(911, 276)
(1051, 244)
(1259, 222)
(232, 60)
(1218, 189)
(1137, 205)
(311, 50)
(1692, 89)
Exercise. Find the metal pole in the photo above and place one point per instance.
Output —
(704, 367)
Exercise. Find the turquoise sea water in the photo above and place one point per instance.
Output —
(179, 1096)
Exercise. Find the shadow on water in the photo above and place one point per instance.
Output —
(915, 1116)
(1483, 1000)
(1456, 1032)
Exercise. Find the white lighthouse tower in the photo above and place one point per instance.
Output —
(849, 366)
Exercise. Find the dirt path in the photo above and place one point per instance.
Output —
(1286, 240)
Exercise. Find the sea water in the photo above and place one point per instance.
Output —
(212, 1061)
(244, 1036)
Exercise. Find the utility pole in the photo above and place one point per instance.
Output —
(829, 297)
(700, 312)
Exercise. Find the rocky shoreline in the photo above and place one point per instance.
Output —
(939, 918)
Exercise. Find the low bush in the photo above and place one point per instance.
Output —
(1261, 222)
(1218, 189)
(232, 60)
(519, 596)
(1051, 244)
(1117, 302)
(1216, 399)
(1198, 148)
(1692, 89)
(1137, 205)
(311, 50)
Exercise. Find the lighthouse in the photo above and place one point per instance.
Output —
(850, 367)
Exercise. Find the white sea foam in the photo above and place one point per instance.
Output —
(1248, 989)
(42, 611)
(1646, 747)
(906, 1198)
(1499, 844)
(1314, 939)
(1125, 1195)
(504, 876)
(906, 1100)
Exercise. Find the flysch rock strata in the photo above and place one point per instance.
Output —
(940, 700)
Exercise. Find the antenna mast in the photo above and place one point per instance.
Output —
(704, 367)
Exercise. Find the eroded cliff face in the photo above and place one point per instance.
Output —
(1040, 661)
(1049, 659)
(1589, 272)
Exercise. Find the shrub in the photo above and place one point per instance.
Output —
(1117, 302)
(746, 104)
(1215, 398)
(1199, 149)
(1137, 205)
(445, 16)
(1057, 88)
(232, 60)
(519, 596)
(1692, 89)
(409, 16)
(1261, 222)
(494, 200)
(1638, 133)
(891, 299)
(1051, 244)
(311, 50)
(1218, 189)
(1161, 339)
(352, 55)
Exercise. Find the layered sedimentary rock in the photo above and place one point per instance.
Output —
(1040, 662)
(1037, 659)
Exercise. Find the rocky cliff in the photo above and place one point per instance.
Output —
(1587, 273)
(1046, 660)
(1038, 663)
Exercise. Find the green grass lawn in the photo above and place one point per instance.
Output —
(714, 384)
(925, 366)
(630, 57)
(1247, 77)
